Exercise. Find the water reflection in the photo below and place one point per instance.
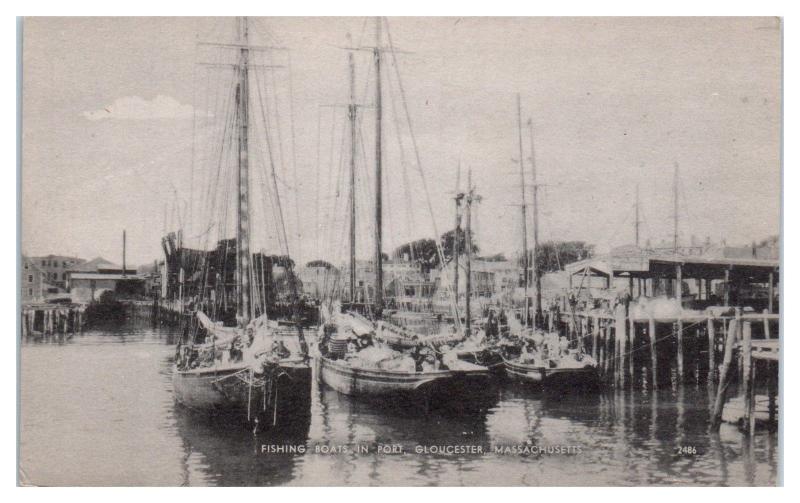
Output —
(97, 409)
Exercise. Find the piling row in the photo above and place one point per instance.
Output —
(657, 352)
(51, 319)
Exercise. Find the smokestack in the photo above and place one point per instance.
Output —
(124, 272)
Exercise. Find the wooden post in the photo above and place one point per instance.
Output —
(766, 324)
(621, 339)
(771, 291)
(724, 378)
(751, 425)
(747, 371)
(727, 287)
(601, 351)
(651, 329)
(772, 394)
(631, 341)
(679, 301)
(595, 335)
(711, 348)
(679, 350)
(608, 345)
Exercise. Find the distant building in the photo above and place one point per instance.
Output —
(33, 285)
(318, 278)
(56, 268)
(86, 287)
(88, 281)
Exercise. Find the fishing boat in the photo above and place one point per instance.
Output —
(362, 352)
(240, 363)
(530, 355)
(549, 361)
(389, 370)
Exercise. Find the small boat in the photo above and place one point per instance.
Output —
(547, 362)
(266, 379)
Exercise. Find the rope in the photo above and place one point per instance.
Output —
(453, 301)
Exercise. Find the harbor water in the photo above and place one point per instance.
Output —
(97, 409)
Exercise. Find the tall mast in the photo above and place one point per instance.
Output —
(456, 248)
(124, 246)
(244, 308)
(524, 211)
(468, 237)
(675, 210)
(637, 222)
(537, 277)
(378, 173)
(352, 116)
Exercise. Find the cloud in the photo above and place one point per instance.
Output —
(136, 108)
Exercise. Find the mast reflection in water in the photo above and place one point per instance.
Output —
(97, 409)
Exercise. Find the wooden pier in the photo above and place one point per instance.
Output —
(701, 348)
(51, 319)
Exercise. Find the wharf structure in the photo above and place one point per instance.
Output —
(659, 319)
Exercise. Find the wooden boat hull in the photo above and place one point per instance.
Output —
(487, 358)
(551, 377)
(382, 384)
(228, 391)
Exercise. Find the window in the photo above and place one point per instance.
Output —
(30, 292)
(44, 262)
(26, 265)
(64, 276)
(30, 278)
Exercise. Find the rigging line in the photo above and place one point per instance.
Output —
(299, 227)
(227, 128)
(267, 194)
(272, 91)
(317, 170)
(403, 164)
(194, 137)
(272, 166)
(448, 283)
(215, 124)
(210, 185)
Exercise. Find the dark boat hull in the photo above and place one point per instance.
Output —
(441, 385)
(487, 358)
(233, 392)
(551, 377)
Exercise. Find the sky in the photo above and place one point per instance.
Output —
(121, 129)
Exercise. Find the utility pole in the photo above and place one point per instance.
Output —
(525, 258)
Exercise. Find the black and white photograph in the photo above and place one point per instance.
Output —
(400, 251)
